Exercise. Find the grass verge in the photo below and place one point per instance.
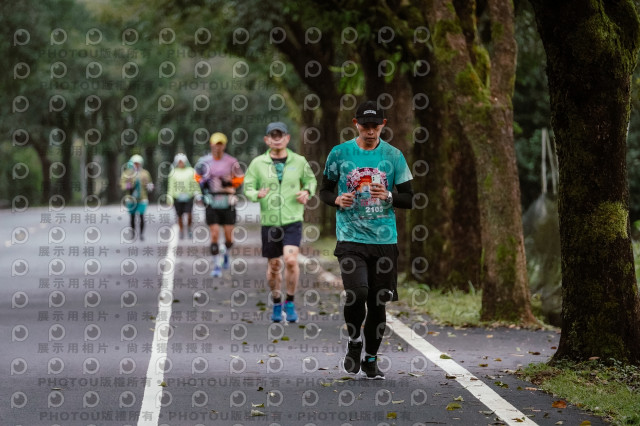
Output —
(451, 307)
(611, 390)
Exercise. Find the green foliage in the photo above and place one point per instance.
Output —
(162, 105)
(609, 389)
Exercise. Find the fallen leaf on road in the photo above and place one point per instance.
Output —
(559, 404)
(453, 406)
(257, 405)
(400, 401)
(460, 398)
(489, 336)
(444, 356)
(534, 353)
(449, 376)
(530, 388)
(585, 423)
(483, 365)
(392, 415)
(255, 413)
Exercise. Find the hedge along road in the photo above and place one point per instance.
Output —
(104, 330)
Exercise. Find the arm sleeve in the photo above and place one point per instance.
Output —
(403, 199)
(172, 187)
(250, 183)
(328, 191)
(123, 182)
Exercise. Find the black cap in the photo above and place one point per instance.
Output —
(368, 112)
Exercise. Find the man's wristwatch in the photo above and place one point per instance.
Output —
(389, 199)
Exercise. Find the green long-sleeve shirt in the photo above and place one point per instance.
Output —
(280, 206)
(182, 185)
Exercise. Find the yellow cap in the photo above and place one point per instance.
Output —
(218, 137)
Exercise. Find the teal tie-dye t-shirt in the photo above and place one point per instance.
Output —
(369, 220)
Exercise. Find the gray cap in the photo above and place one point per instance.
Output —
(278, 125)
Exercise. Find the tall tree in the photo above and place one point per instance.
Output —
(479, 86)
(592, 50)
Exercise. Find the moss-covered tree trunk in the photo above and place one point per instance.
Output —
(591, 52)
(480, 87)
(452, 247)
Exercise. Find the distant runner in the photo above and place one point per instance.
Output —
(181, 189)
(136, 183)
(219, 174)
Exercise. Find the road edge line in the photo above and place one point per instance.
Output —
(500, 406)
(155, 376)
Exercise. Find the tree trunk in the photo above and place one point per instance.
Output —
(591, 53)
(45, 163)
(113, 176)
(67, 182)
(480, 88)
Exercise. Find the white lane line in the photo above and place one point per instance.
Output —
(503, 409)
(150, 409)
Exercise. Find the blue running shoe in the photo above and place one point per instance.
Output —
(225, 262)
(290, 311)
(277, 313)
(217, 272)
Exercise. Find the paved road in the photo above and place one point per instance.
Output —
(102, 330)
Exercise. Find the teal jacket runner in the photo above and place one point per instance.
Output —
(280, 206)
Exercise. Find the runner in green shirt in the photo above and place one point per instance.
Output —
(282, 181)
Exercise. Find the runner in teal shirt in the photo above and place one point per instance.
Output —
(369, 220)
(365, 171)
